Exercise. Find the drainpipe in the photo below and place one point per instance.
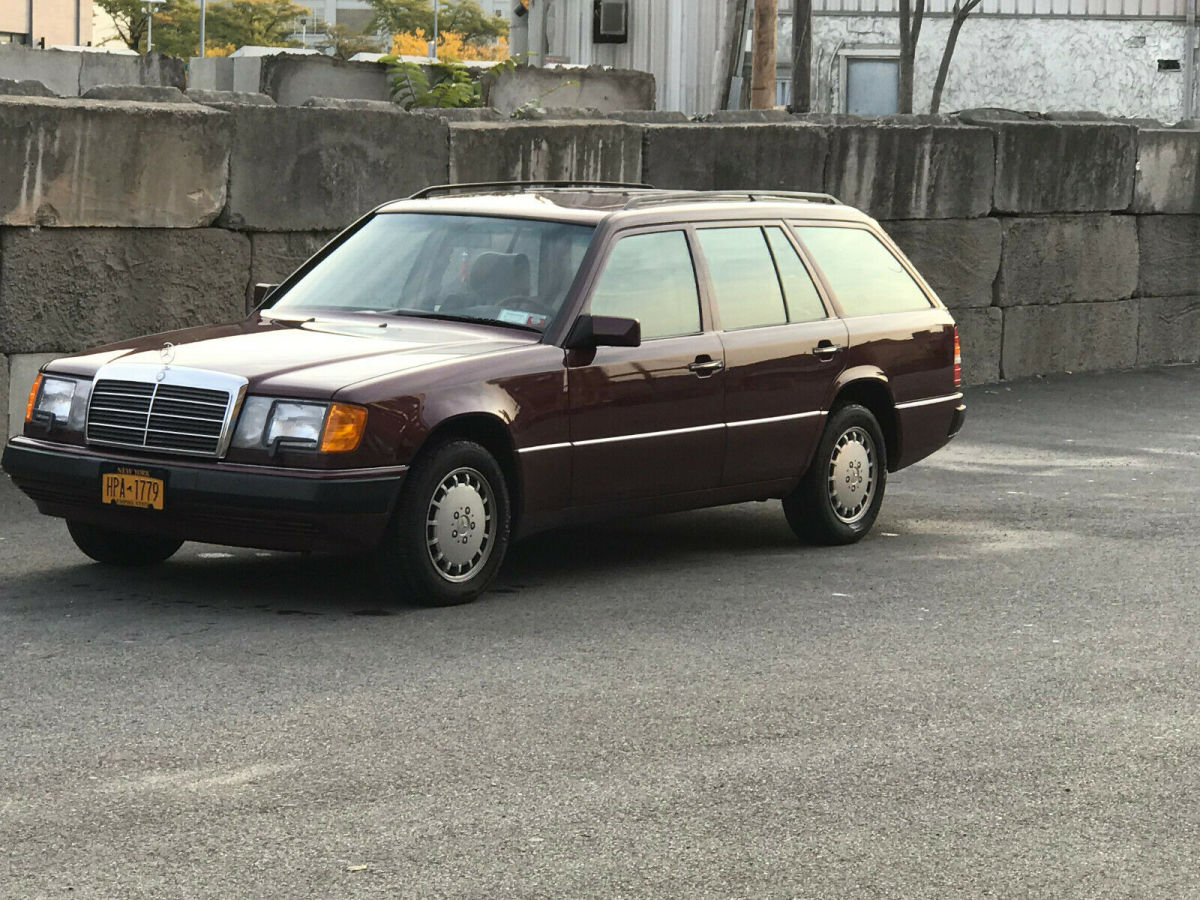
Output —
(29, 19)
(1189, 82)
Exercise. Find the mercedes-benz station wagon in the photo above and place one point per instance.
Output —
(481, 362)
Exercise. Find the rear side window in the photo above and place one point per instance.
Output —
(803, 301)
(867, 279)
(649, 277)
(743, 277)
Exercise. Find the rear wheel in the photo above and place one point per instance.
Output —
(839, 497)
(450, 530)
(121, 548)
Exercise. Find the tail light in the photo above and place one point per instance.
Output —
(957, 361)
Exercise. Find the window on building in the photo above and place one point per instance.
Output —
(871, 83)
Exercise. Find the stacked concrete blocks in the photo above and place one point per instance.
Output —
(729, 157)
(1046, 167)
(552, 151)
(913, 171)
(99, 285)
(317, 169)
(111, 164)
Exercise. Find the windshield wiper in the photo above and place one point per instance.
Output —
(451, 317)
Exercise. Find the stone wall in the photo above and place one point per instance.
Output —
(1058, 245)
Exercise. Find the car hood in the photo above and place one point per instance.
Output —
(307, 358)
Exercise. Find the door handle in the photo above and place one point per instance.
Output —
(824, 348)
(705, 366)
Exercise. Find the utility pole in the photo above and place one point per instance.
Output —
(537, 32)
(802, 56)
(762, 73)
(202, 11)
(433, 53)
(150, 4)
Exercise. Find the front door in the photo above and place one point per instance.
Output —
(648, 421)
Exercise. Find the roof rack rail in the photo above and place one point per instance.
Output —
(664, 197)
(522, 186)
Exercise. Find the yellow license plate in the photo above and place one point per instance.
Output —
(131, 487)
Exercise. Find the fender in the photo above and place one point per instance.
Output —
(859, 373)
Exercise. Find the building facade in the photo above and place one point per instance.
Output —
(46, 23)
(1131, 58)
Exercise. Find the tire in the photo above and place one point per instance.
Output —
(122, 548)
(427, 556)
(839, 497)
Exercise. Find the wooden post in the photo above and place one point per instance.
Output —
(802, 56)
(762, 76)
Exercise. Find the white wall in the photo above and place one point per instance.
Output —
(1110, 66)
(678, 41)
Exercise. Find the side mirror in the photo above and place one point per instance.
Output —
(604, 331)
(262, 291)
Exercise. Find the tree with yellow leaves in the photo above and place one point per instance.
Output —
(451, 45)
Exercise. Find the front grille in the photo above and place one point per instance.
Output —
(161, 415)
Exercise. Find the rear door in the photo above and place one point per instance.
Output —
(896, 328)
(783, 351)
(648, 421)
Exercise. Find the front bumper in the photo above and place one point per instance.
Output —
(248, 506)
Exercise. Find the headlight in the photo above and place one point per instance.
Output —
(268, 423)
(56, 400)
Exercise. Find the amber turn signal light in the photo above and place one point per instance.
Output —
(33, 392)
(344, 428)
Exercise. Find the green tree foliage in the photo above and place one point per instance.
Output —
(464, 17)
(240, 23)
(342, 42)
(129, 17)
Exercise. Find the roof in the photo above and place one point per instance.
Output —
(588, 204)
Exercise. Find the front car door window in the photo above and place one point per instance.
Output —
(649, 277)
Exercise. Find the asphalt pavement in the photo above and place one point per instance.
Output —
(994, 694)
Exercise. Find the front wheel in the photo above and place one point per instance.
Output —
(451, 527)
(121, 548)
(839, 497)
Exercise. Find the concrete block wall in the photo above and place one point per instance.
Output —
(1059, 245)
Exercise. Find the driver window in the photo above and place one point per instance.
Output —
(649, 277)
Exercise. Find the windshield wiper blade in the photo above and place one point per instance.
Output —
(451, 317)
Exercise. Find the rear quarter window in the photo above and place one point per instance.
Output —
(867, 279)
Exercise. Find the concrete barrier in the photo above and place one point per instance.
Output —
(1170, 256)
(960, 258)
(1168, 171)
(290, 79)
(98, 285)
(1169, 330)
(1055, 167)
(68, 73)
(718, 157)
(308, 169)
(549, 151)
(79, 162)
(595, 87)
(1068, 259)
(1069, 337)
(273, 257)
(897, 171)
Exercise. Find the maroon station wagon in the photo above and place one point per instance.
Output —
(480, 362)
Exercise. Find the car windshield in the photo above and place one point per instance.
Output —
(473, 268)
